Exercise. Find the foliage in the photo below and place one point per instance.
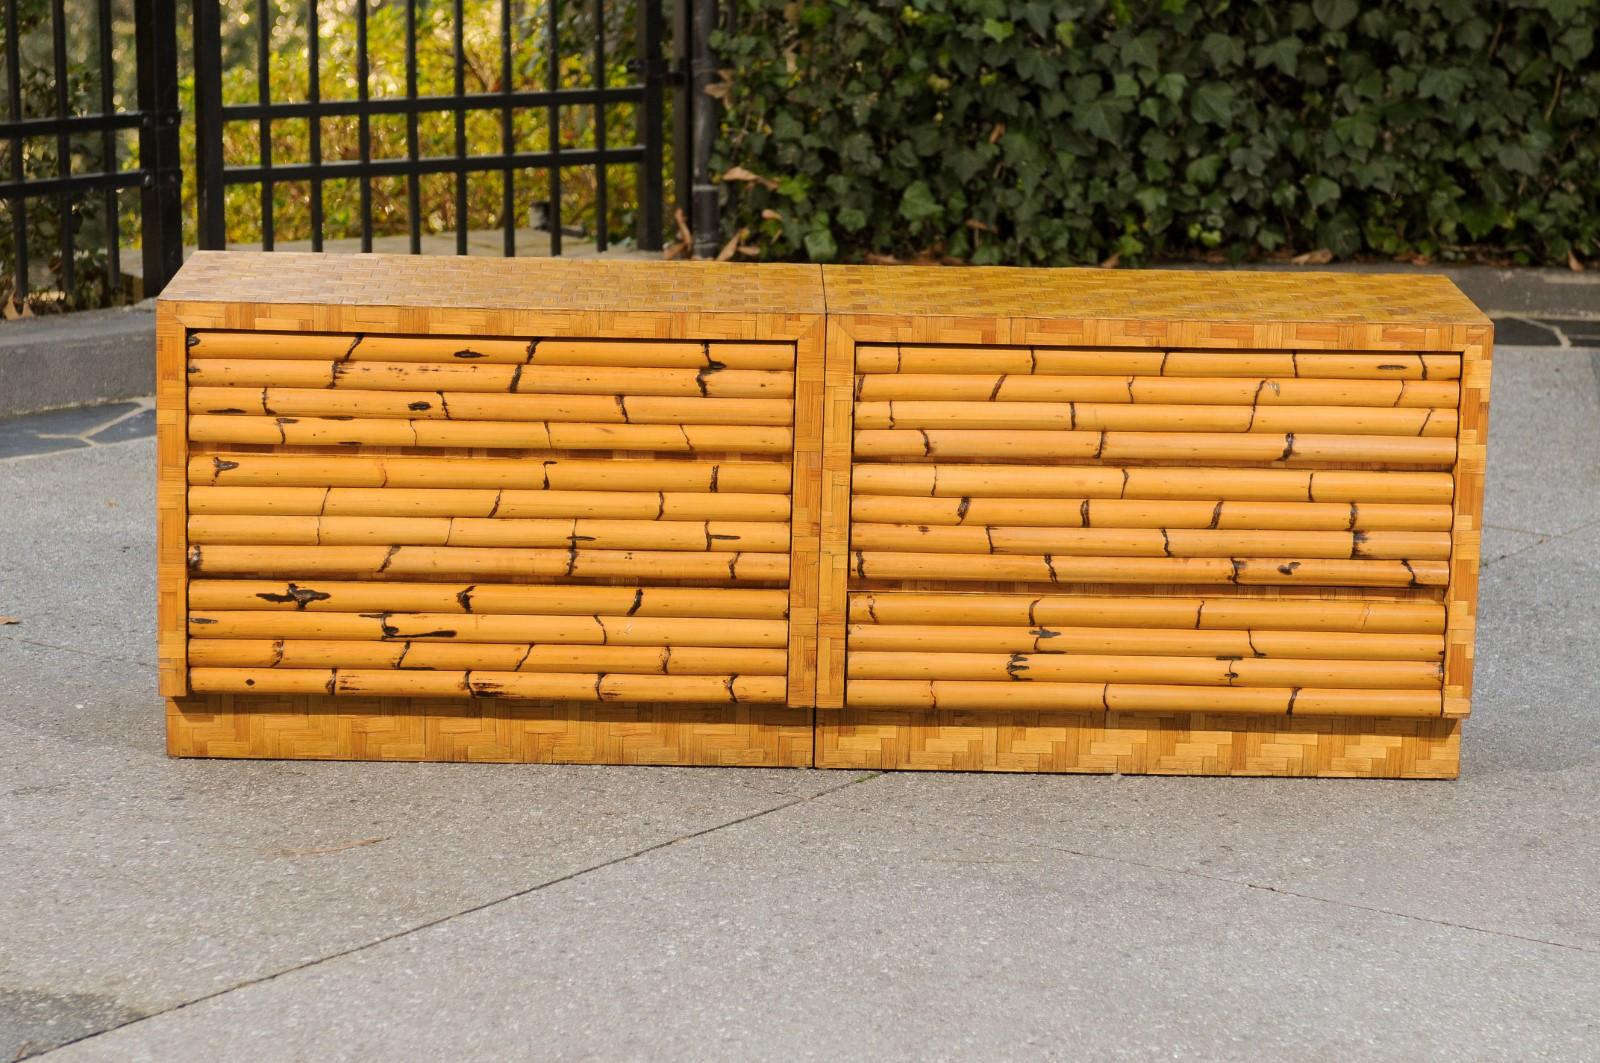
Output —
(1061, 131)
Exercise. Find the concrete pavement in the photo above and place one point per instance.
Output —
(174, 910)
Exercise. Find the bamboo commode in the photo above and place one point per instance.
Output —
(688, 513)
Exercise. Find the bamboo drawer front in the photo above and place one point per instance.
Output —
(1215, 523)
(511, 511)
(688, 513)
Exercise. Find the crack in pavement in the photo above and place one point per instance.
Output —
(1226, 880)
(484, 906)
(82, 653)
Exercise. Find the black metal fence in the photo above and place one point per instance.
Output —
(583, 86)
(65, 140)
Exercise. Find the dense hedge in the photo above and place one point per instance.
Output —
(1058, 132)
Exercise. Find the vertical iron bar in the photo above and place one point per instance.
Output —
(161, 198)
(461, 128)
(19, 205)
(651, 126)
(264, 94)
(207, 121)
(314, 94)
(413, 187)
(108, 148)
(682, 111)
(600, 233)
(363, 125)
(706, 117)
(553, 82)
(58, 41)
(508, 192)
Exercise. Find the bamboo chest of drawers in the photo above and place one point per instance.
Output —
(622, 512)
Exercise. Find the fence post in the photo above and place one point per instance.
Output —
(652, 125)
(707, 116)
(161, 195)
(213, 233)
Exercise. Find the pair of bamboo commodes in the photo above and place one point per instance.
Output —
(853, 517)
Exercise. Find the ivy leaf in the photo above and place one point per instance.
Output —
(1335, 14)
(1444, 83)
(997, 30)
(1101, 119)
(1213, 102)
(1171, 86)
(1203, 171)
(917, 203)
(1223, 51)
(1283, 54)
(1321, 191)
(820, 246)
(1516, 158)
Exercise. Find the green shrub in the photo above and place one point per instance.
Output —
(1039, 132)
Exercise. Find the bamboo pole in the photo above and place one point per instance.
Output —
(664, 353)
(483, 627)
(407, 502)
(304, 562)
(730, 689)
(1072, 610)
(477, 379)
(1149, 417)
(1150, 542)
(1123, 362)
(1259, 485)
(957, 695)
(1225, 391)
(1101, 668)
(1146, 642)
(476, 656)
(209, 343)
(465, 405)
(558, 474)
(536, 435)
(718, 536)
(1255, 571)
(363, 596)
(1140, 513)
(1147, 446)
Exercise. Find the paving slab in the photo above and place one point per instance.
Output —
(1544, 440)
(827, 932)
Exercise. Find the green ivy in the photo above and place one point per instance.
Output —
(1037, 132)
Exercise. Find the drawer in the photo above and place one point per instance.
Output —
(589, 520)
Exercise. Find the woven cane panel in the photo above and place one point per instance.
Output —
(287, 279)
(480, 730)
(1139, 743)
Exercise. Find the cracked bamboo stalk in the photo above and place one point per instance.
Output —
(484, 502)
(536, 435)
(474, 656)
(301, 562)
(469, 406)
(1226, 391)
(482, 627)
(716, 536)
(957, 695)
(1245, 485)
(729, 689)
(370, 470)
(1106, 362)
(1146, 642)
(504, 379)
(1141, 513)
(1062, 610)
(362, 596)
(1149, 417)
(1153, 446)
(1101, 668)
(353, 348)
(1252, 571)
(1149, 542)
